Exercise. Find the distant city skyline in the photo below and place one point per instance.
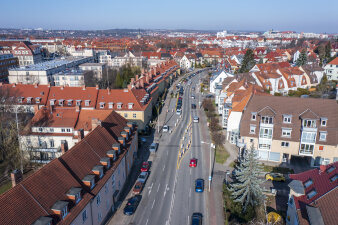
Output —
(263, 15)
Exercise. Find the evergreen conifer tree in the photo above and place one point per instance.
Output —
(302, 59)
(246, 188)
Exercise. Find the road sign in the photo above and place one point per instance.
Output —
(209, 177)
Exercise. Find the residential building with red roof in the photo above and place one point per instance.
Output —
(313, 196)
(7, 61)
(331, 69)
(284, 129)
(81, 186)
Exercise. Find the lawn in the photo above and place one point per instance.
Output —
(5, 187)
(221, 154)
(277, 169)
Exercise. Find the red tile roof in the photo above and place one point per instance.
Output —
(334, 62)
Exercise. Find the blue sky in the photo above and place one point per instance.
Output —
(296, 15)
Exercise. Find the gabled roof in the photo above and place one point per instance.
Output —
(266, 111)
(308, 114)
(334, 62)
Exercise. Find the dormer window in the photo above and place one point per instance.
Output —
(61, 102)
(329, 170)
(75, 194)
(110, 105)
(89, 181)
(311, 194)
(130, 105)
(87, 102)
(253, 116)
(29, 100)
(287, 118)
(98, 170)
(20, 99)
(309, 123)
(102, 105)
(37, 99)
(78, 102)
(308, 183)
(119, 105)
(70, 102)
(61, 208)
(52, 102)
(323, 122)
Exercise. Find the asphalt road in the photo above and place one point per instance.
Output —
(169, 195)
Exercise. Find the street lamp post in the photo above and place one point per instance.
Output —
(210, 176)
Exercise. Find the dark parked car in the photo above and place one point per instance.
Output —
(132, 204)
(193, 106)
(196, 219)
(199, 185)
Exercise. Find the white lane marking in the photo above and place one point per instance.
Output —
(158, 188)
(152, 206)
(150, 188)
(189, 192)
(163, 168)
(147, 221)
(165, 190)
(188, 220)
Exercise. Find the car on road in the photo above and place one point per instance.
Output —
(131, 205)
(143, 177)
(196, 119)
(199, 185)
(138, 188)
(275, 177)
(153, 147)
(209, 96)
(165, 129)
(145, 167)
(196, 219)
(193, 162)
(193, 96)
(193, 106)
(178, 111)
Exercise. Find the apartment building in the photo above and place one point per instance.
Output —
(52, 131)
(128, 58)
(283, 128)
(313, 196)
(331, 69)
(81, 186)
(97, 68)
(42, 73)
(71, 78)
(7, 61)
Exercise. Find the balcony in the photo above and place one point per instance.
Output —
(306, 149)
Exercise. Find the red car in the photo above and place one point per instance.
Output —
(138, 188)
(193, 163)
(145, 167)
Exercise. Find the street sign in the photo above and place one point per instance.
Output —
(209, 177)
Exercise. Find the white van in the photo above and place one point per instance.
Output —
(178, 111)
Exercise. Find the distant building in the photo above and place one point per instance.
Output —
(128, 58)
(42, 73)
(222, 34)
(331, 69)
(7, 61)
(313, 197)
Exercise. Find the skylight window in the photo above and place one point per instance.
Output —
(311, 194)
(308, 183)
(329, 170)
(334, 178)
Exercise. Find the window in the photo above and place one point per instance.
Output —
(78, 102)
(130, 105)
(306, 149)
(308, 183)
(51, 129)
(84, 216)
(134, 115)
(40, 129)
(110, 105)
(98, 200)
(37, 100)
(323, 122)
(68, 130)
(311, 194)
(267, 120)
(101, 105)
(309, 123)
(107, 204)
(285, 144)
(87, 102)
(119, 105)
(286, 132)
(64, 212)
(126, 115)
(322, 136)
(106, 188)
(251, 140)
(99, 216)
(265, 133)
(63, 130)
(308, 137)
(78, 197)
(287, 118)
(70, 102)
(329, 170)
(252, 129)
(325, 161)
(51, 143)
(334, 178)
(113, 181)
(264, 146)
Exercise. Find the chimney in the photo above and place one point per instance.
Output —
(48, 85)
(16, 177)
(122, 140)
(61, 87)
(64, 146)
(95, 122)
(97, 87)
(36, 85)
(142, 83)
(14, 85)
(136, 77)
(84, 87)
(117, 147)
(77, 108)
(129, 86)
(80, 134)
(322, 168)
(108, 89)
